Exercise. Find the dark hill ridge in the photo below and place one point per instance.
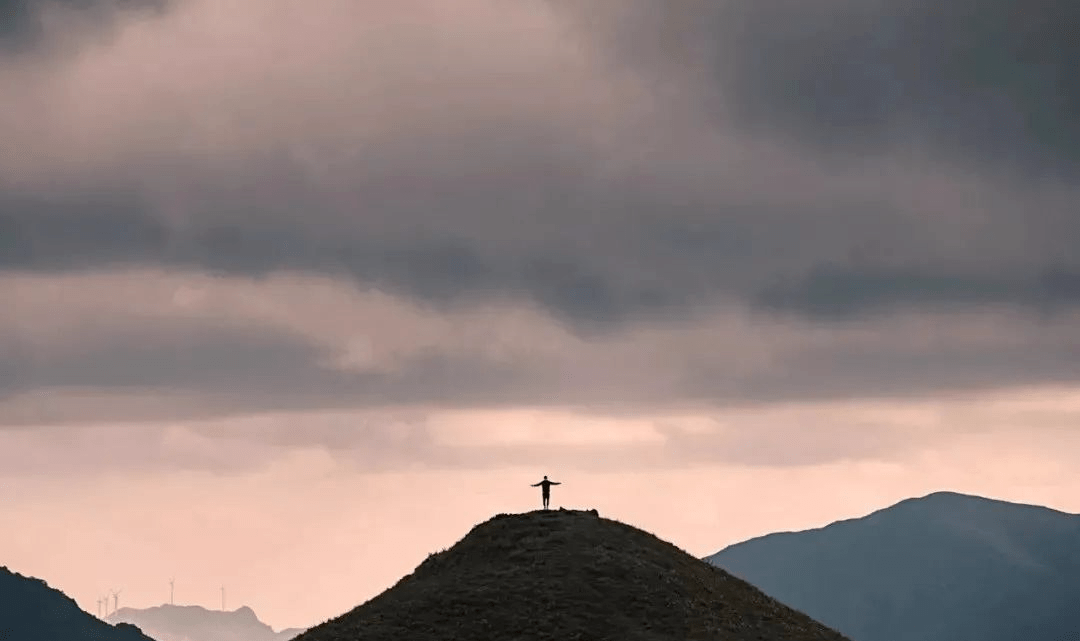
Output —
(30, 610)
(573, 576)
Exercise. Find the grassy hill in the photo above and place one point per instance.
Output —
(571, 576)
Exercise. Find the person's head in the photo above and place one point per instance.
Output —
(545, 477)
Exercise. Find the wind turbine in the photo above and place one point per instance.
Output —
(223, 598)
(116, 600)
(99, 607)
(171, 582)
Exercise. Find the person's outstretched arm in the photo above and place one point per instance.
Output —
(554, 483)
(536, 485)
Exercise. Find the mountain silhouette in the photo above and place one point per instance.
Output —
(196, 623)
(944, 567)
(30, 610)
(568, 575)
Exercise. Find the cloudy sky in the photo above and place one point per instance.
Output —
(295, 293)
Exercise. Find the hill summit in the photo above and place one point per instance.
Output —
(569, 575)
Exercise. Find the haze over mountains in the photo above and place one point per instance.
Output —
(944, 567)
(196, 623)
(31, 610)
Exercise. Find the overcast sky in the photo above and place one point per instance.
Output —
(296, 293)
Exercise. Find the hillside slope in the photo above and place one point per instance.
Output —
(568, 575)
(945, 567)
(30, 610)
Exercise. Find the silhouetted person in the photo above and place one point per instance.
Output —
(545, 489)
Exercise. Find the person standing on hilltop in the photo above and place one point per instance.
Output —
(545, 489)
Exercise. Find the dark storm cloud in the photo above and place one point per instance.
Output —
(641, 168)
(610, 258)
(22, 22)
(524, 202)
(524, 206)
(71, 232)
(568, 259)
(180, 358)
(839, 291)
(654, 268)
(897, 367)
(194, 369)
(39, 236)
(994, 82)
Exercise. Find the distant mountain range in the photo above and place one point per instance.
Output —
(196, 623)
(944, 567)
(30, 610)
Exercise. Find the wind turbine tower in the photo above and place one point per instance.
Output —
(99, 608)
(171, 587)
(223, 598)
(116, 600)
